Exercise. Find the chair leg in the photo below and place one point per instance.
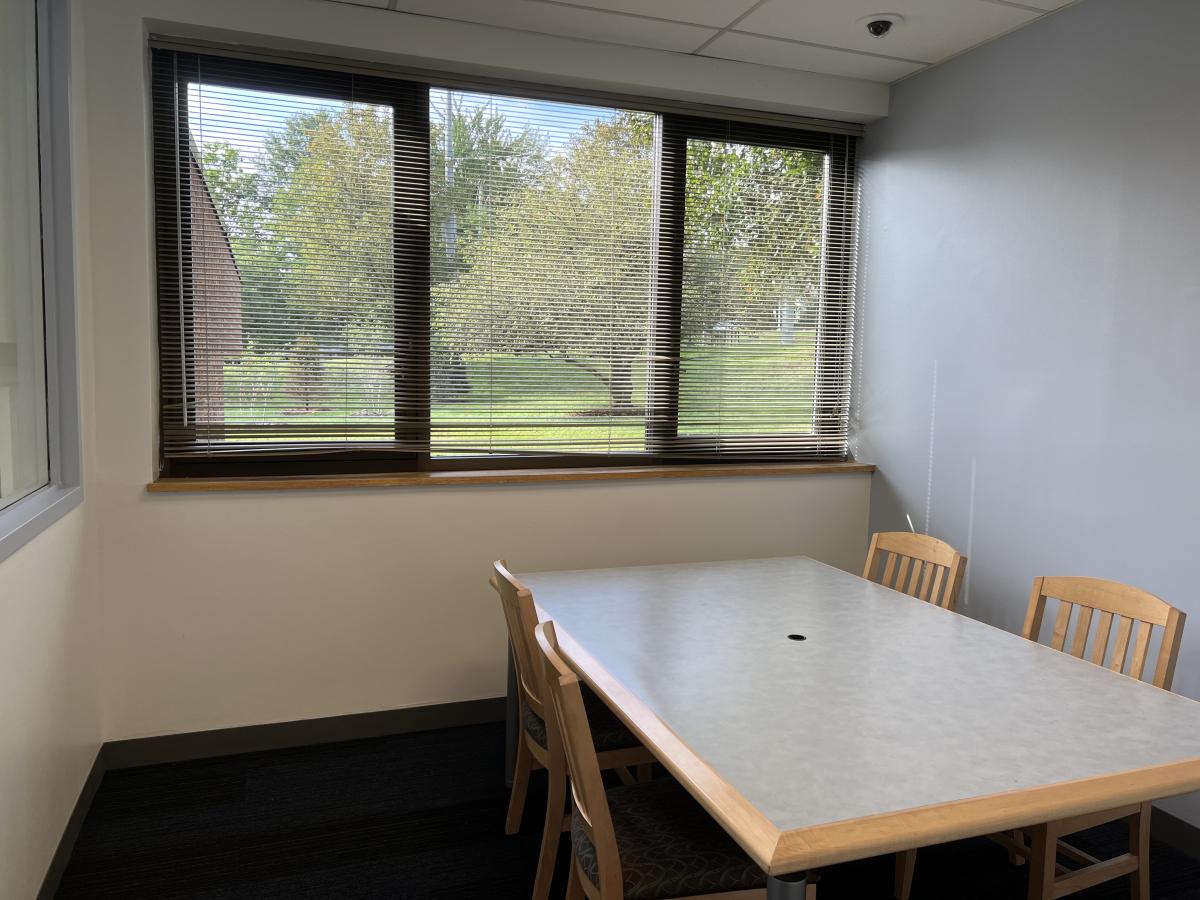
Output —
(574, 885)
(1013, 856)
(556, 797)
(1139, 846)
(516, 801)
(906, 863)
(1042, 862)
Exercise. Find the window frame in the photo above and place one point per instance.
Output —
(24, 519)
(675, 132)
(411, 135)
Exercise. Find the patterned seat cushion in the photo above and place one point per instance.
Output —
(608, 732)
(669, 846)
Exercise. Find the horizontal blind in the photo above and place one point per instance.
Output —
(371, 273)
(293, 269)
(541, 270)
(765, 246)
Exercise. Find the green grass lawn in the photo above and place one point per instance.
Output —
(499, 412)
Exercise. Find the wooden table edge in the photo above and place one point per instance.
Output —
(852, 839)
(752, 830)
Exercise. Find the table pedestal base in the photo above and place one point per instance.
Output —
(790, 887)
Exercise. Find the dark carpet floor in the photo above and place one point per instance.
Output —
(417, 816)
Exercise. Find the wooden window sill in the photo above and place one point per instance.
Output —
(497, 476)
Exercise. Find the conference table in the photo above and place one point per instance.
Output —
(821, 718)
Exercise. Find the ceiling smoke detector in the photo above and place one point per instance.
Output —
(880, 25)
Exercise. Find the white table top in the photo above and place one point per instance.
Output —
(892, 709)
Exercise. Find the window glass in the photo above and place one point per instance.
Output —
(751, 290)
(291, 315)
(540, 258)
(24, 459)
(360, 273)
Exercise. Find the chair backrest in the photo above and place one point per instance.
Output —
(520, 616)
(572, 738)
(917, 565)
(1127, 608)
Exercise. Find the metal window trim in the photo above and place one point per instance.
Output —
(24, 519)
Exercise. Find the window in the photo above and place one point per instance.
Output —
(24, 457)
(368, 274)
(39, 450)
(541, 257)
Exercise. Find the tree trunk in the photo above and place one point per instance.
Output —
(787, 323)
(620, 385)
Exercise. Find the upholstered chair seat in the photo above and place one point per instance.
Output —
(669, 846)
(608, 732)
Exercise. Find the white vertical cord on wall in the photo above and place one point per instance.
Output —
(932, 423)
(966, 595)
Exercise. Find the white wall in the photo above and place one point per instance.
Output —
(50, 644)
(48, 695)
(235, 609)
(1031, 220)
(243, 608)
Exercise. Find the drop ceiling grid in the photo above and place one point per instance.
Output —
(812, 35)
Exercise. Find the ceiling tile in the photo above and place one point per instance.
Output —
(378, 4)
(932, 29)
(790, 55)
(566, 21)
(718, 13)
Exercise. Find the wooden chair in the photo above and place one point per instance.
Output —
(635, 842)
(1134, 614)
(1124, 617)
(917, 565)
(618, 746)
(928, 569)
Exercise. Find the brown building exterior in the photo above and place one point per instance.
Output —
(216, 300)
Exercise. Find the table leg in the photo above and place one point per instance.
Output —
(790, 887)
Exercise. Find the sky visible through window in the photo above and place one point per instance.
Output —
(218, 114)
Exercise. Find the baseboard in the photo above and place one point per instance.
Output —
(62, 853)
(1175, 832)
(168, 748)
(255, 738)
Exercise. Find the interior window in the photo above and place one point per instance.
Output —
(24, 459)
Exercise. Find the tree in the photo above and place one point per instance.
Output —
(309, 222)
(242, 197)
(309, 216)
(236, 190)
(551, 246)
(304, 372)
(477, 162)
(752, 236)
(331, 215)
(562, 269)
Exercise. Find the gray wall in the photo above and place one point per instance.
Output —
(1030, 344)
